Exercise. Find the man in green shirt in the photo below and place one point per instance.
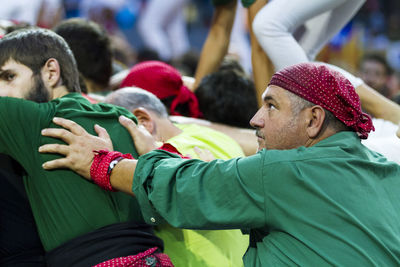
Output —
(190, 248)
(312, 196)
(70, 213)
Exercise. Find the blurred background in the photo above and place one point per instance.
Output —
(368, 46)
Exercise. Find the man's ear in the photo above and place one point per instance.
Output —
(51, 73)
(145, 119)
(315, 118)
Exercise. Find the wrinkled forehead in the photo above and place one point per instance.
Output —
(273, 91)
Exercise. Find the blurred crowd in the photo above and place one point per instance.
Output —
(367, 46)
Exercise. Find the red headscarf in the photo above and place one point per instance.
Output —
(328, 88)
(164, 81)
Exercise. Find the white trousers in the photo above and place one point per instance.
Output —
(275, 23)
(163, 28)
(239, 43)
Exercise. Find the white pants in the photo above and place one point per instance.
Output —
(21, 10)
(240, 43)
(275, 23)
(162, 28)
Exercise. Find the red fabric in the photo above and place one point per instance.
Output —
(144, 259)
(163, 81)
(99, 170)
(327, 88)
(170, 148)
(91, 100)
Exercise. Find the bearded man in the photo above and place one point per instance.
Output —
(71, 214)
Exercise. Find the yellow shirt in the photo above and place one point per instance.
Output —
(195, 248)
(193, 135)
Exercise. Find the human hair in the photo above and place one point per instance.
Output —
(376, 57)
(19, 26)
(33, 47)
(134, 97)
(298, 104)
(91, 47)
(231, 63)
(146, 54)
(227, 97)
(186, 63)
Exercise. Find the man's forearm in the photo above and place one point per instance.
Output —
(377, 105)
(262, 66)
(121, 177)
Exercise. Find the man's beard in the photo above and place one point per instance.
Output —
(38, 93)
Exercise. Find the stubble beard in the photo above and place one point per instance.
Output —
(38, 92)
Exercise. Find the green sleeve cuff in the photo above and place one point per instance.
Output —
(150, 215)
(142, 181)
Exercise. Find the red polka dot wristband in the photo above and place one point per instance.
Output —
(103, 163)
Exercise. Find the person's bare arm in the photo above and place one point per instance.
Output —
(121, 178)
(261, 65)
(246, 138)
(217, 42)
(377, 105)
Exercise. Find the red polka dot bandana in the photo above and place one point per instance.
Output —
(328, 88)
(145, 259)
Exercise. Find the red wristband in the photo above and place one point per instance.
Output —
(102, 165)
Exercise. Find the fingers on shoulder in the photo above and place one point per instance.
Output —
(54, 148)
(70, 125)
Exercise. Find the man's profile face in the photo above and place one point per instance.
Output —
(276, 127)
(17, 80)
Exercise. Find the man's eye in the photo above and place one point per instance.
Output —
(271, 106)
(10, 76)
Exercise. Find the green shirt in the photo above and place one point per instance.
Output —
(64, 204)
(335, 203)
(198, 248)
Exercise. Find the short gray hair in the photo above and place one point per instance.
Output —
(298, 104)
(134, 97)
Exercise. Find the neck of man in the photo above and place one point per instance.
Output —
(166, 130)
(60, 91)
(325, 133)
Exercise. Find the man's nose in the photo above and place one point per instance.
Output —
(257, 120)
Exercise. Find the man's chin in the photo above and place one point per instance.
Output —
(261, 144)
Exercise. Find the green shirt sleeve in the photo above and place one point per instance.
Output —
(196, 194)
(19, 120)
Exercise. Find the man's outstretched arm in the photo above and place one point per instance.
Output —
(168, 187)
(79, 151)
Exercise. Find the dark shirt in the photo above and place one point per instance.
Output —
(19, 241)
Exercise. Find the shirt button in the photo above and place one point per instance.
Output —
(152, 219)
